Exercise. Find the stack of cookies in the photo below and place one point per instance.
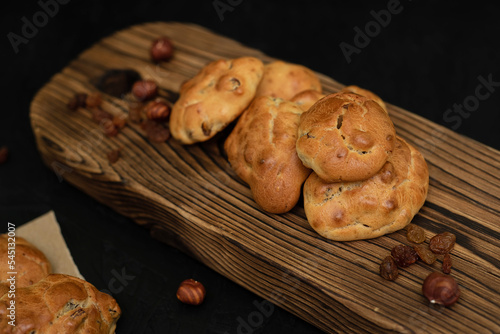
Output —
(359, 179)
(366, 181)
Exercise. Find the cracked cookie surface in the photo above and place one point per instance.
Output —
(345, 137)
(366, 93)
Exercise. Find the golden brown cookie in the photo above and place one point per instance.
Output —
(345, 137)
(307, 98)
(30, 263)
(365, 93)
(261, 150)
(60, 304)
(367, 209)
(215, 97)
(285, 80)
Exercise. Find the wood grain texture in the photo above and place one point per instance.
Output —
(190, 198)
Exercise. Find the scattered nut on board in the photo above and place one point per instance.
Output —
(441, 289)
(157, 110)
(161, 50)
(145, 89)
(191, 292)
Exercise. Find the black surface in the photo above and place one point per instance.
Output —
(428, 58)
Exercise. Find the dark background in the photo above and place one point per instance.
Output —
(428, 58)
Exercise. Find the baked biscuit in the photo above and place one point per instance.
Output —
(307, 98)
(365, 93)
(345, 137)
(30, 263)
(285, 80)
(59, 304)
(383, 204)
(215, 97)
(261, 150)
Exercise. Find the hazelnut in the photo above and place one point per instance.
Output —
(156, 132)
(191, 292)
(161, 49)
(157, 110)
(145, 89)
(441, 289)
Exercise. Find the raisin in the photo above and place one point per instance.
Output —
(404, 256)
(135, 112)
(77, 101)
(99, 115)
(206, 129)
(415, 234)
(93, 100)
(109, 128)
(389, 269)
(442, 243)
(425, 254)
(446, 263)
(119, 122)
(113, 156)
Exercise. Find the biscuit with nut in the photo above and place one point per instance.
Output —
(384, 203)
(261, 150)
(215, 97)
(59, 304)
(285, 80)
(345, 137)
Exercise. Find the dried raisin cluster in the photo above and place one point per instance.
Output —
(145, 105)
(403, 256)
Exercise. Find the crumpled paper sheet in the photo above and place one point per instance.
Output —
(45, 234)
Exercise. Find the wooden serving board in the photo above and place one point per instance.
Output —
(190, 198)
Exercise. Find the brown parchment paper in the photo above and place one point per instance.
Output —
(45, 234)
